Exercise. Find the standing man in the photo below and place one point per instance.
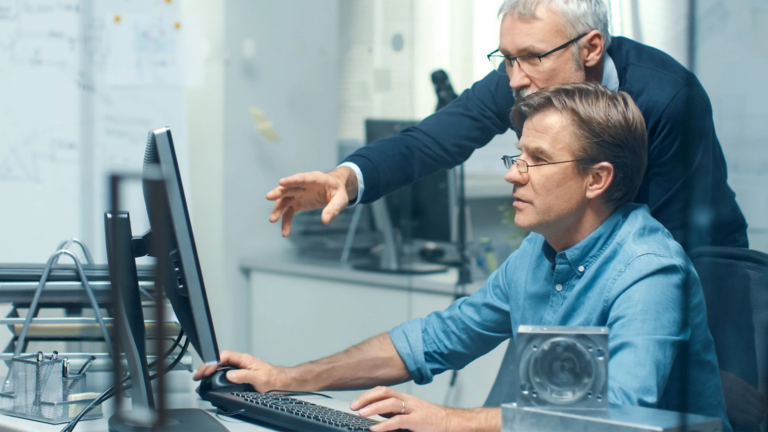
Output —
(544, 43)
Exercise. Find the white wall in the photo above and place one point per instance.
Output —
(293, 77)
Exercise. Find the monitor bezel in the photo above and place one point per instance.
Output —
(207, 346)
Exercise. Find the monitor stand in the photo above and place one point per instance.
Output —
(121, 256)
(388, 261)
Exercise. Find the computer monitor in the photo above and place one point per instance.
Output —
(183, 278)
(171, 241)
(423, 210)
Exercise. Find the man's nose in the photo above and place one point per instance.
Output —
(514, 176)
(518, 79)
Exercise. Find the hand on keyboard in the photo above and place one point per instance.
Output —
(414, 414)
(248, 370)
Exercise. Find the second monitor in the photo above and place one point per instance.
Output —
(423, 210)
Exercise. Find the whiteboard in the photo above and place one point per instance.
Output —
(67, 123)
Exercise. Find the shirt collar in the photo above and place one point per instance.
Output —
(610, 75)
(588, 251)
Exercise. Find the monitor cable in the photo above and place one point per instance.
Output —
(125, 384)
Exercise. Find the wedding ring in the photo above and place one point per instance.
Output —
(402, 410)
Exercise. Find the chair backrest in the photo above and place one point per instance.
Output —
(735, 284)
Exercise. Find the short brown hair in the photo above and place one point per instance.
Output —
(609, 127)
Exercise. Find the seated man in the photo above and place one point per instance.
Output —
(593, 259)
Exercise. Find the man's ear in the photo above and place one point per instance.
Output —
(600, 178)
(592, 48)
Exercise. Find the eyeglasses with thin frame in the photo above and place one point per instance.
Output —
(523, 165)
(529, 63)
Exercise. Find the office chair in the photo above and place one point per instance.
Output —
(735, 285)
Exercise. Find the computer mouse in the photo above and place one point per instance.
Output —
(217, 382)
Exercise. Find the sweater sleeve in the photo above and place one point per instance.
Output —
(443, 140)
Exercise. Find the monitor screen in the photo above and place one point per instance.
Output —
(175, 243)
(422, 210)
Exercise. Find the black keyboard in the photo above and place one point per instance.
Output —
(288, 412)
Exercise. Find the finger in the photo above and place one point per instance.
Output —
(287, 219)
(199, 373)
(303, 179)
(205, 370)
(236, 359)
(336, 205)
(393, 424)
(279, 208)
(374, 395)
(387, 406)
(282, 192)
(276, 193)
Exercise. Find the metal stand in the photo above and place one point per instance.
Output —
(21, 341)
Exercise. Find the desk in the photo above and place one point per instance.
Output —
(188, 399)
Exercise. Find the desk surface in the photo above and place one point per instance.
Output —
(175, 400)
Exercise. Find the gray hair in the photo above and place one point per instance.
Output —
(581, 16)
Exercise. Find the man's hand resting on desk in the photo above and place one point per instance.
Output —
(308, 191)
(413, 414)
(261, 375)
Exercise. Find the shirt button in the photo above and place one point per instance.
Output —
(559, 287)
(581, 269)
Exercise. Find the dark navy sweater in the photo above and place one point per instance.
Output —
(660, 86)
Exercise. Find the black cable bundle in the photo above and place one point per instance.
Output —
(125, 385)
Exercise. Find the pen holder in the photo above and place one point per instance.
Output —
(42, 393)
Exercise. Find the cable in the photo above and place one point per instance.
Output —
(125, 386)
(108, 393)
(220, 412)
(170, 350)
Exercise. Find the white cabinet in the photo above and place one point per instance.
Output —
(297, 317)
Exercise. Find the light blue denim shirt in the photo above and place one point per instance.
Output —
(628, 275)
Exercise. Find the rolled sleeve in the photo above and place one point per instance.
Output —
(449, 340)
(408, 341)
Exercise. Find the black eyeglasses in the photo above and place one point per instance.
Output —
(528, 63)
(523, 165)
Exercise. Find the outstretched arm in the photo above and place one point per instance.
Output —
(442, 140)
(365, 365)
